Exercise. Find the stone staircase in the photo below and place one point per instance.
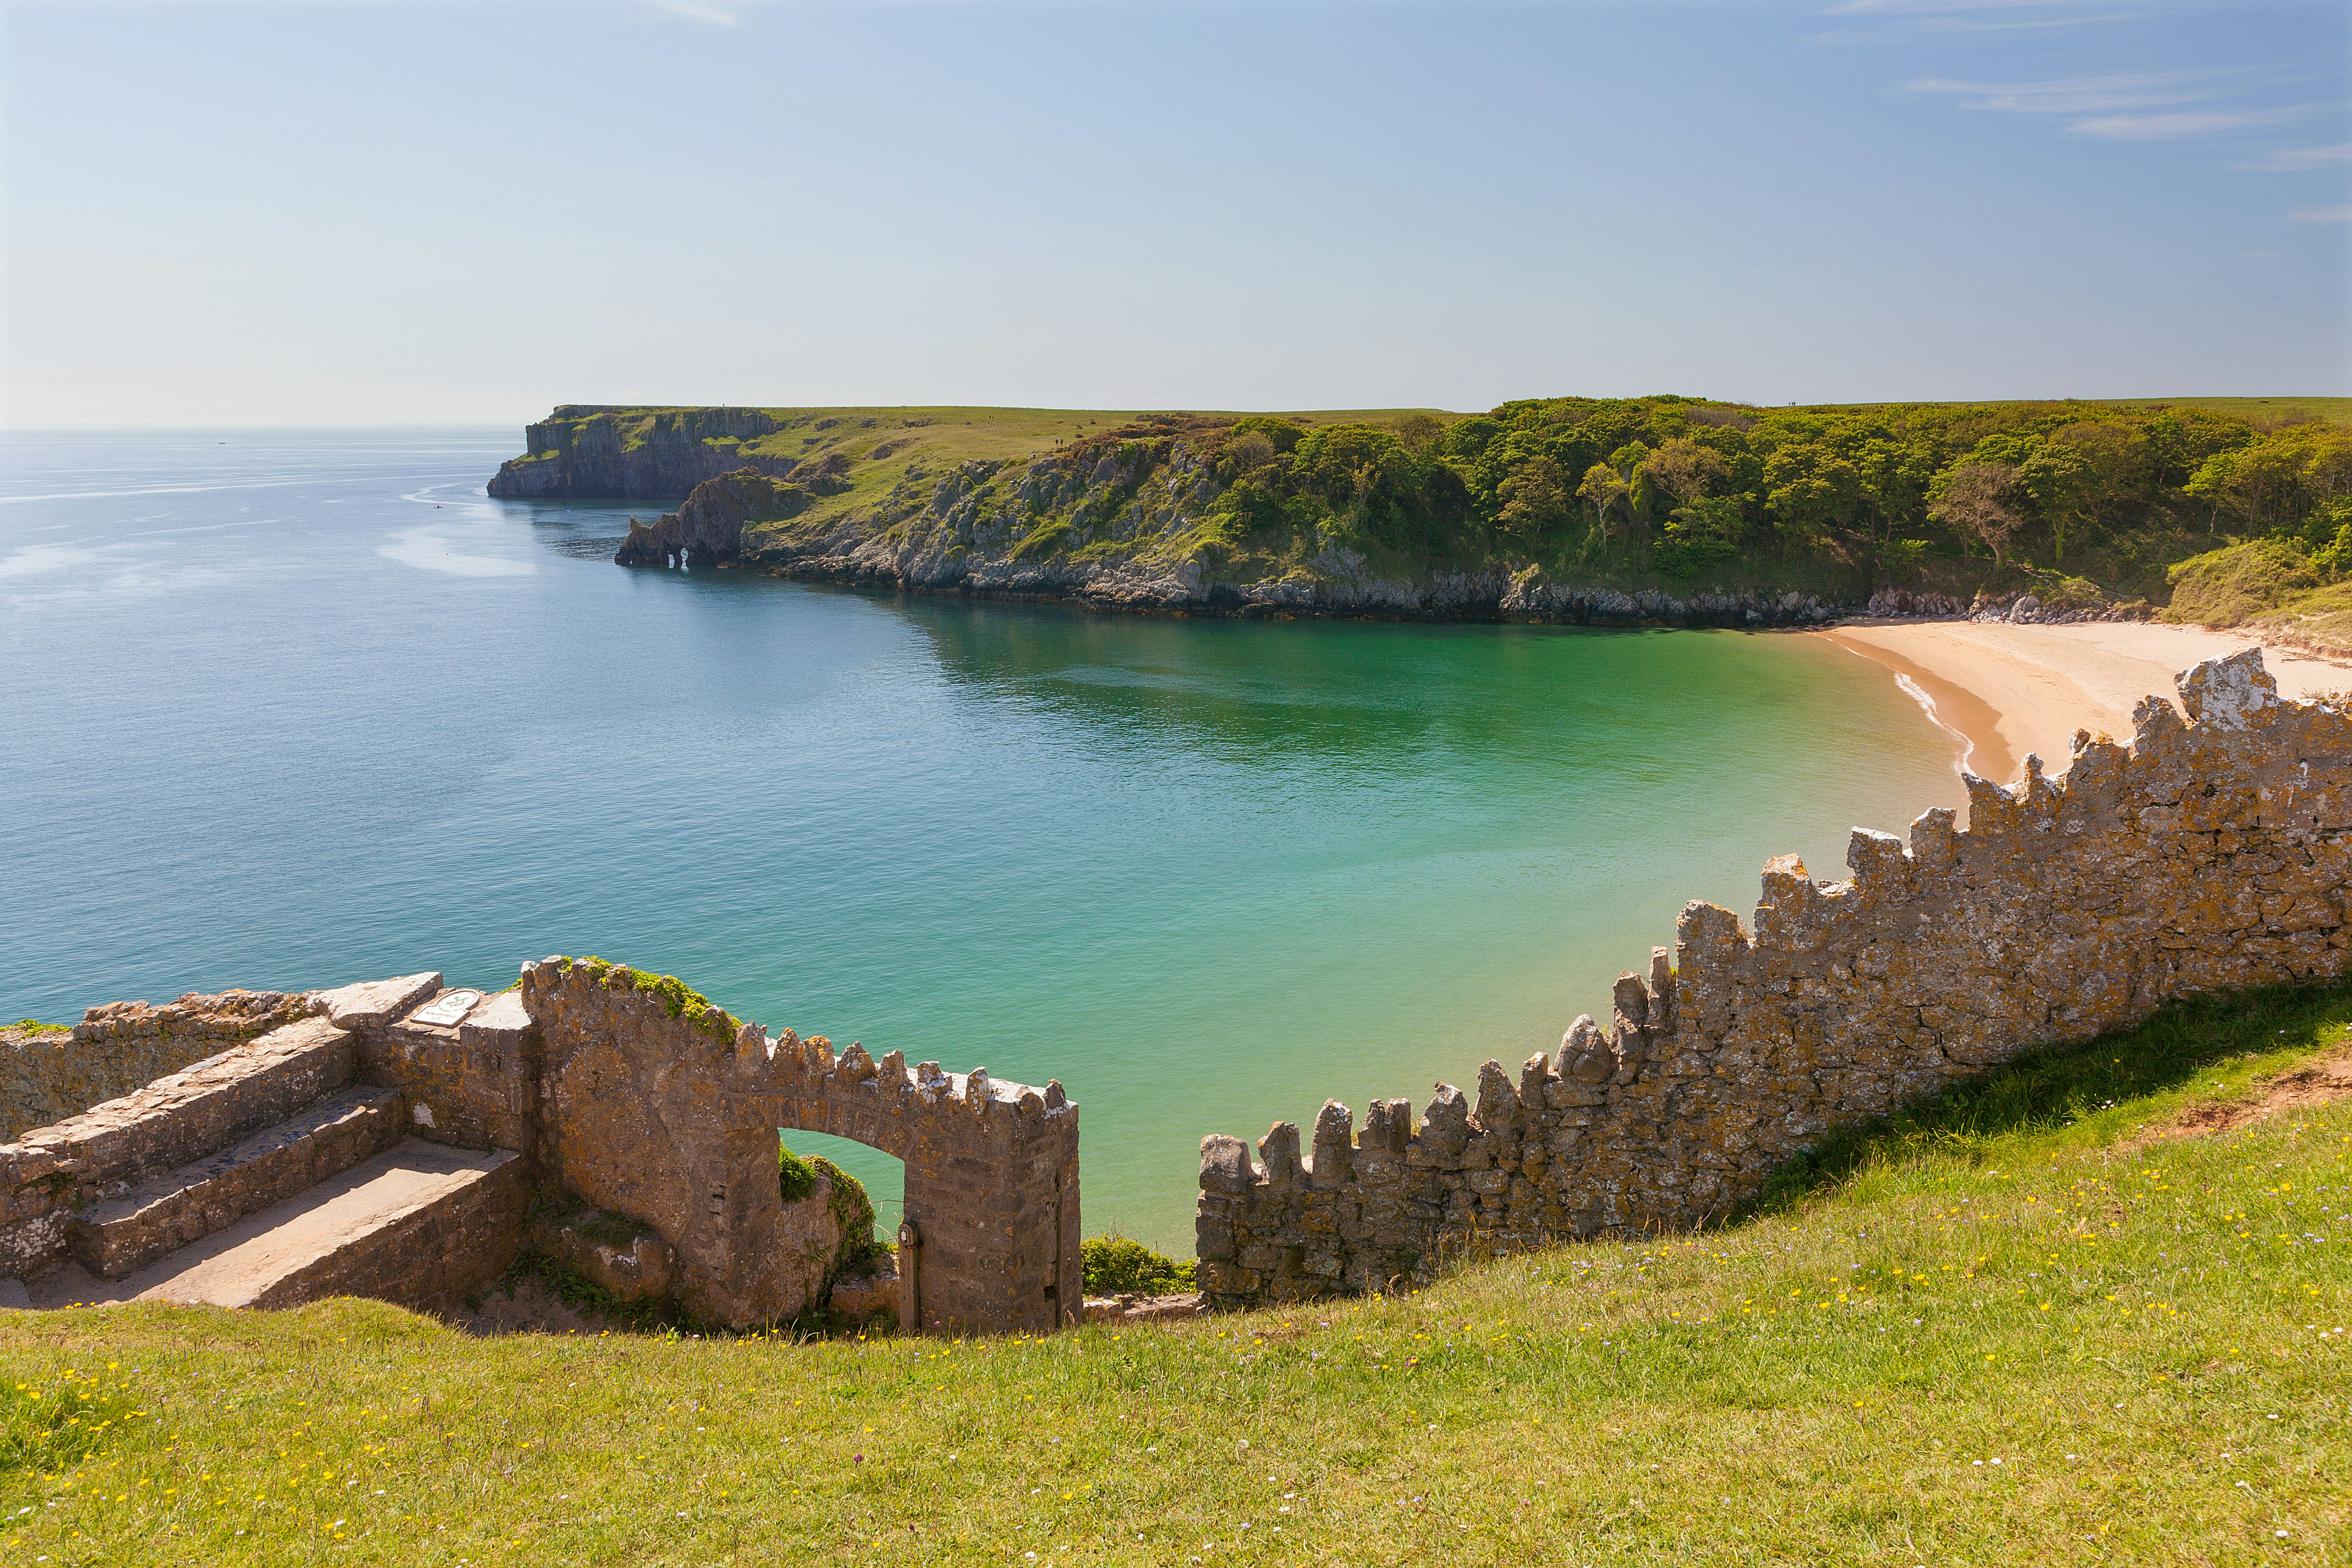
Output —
(285, 1169)
(386, 1227)
(117, 1237)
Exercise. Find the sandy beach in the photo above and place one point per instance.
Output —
(2003, 690)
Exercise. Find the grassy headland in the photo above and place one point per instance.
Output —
(2083, 503)
(2023, 1322)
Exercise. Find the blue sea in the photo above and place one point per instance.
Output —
(293, 708)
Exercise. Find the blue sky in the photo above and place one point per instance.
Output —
(351, 213)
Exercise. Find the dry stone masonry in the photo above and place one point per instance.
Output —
(394, 1138)
(2209, 856)
(48, 1076)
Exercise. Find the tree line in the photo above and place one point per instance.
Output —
(1686, 486)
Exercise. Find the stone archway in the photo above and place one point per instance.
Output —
(659, 1106)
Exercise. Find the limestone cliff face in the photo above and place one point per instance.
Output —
(584, 451)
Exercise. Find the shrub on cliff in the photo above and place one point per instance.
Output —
(1116, 1266)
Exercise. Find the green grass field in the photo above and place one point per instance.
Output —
(2009, 1327)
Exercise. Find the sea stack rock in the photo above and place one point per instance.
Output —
(707, 531)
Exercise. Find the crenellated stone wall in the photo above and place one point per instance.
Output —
(2210, 856)
(670, 1118)
(594, 1084)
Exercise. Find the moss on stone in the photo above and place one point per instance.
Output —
(677, 998)
(795, 1174)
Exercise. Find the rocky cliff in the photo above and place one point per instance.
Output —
(707, 531)
(584, 451)
(1122, 539)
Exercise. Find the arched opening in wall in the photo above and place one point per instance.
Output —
(868, 1206)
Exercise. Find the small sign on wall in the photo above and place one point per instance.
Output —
(446, 1008)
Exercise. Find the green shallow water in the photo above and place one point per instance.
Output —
(298, 709)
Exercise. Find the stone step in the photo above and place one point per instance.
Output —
(165, 1212)
(422, 1224)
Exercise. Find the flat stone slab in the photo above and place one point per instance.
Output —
(450, 1008)
(498, 1021)
(309, 1246)
(374, 1003)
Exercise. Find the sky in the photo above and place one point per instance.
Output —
(346, 213)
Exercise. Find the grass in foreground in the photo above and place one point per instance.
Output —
(2006, 1327)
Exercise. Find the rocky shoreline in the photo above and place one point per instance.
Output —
(1344, 591)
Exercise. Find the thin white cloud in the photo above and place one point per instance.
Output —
(2296, 159)
(696, 11)
(2321, 215)
(2072, 95)
(2192, 122)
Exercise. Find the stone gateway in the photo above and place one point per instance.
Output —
(396, 1139)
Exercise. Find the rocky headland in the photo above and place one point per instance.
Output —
(1659, 510)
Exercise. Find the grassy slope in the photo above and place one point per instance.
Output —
(2139, 1338)
(2259, 410)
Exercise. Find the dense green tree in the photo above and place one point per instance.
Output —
(1604, 487)
(2058, 479)
(1701, 533)
(1980, 498)
(1811, 492)
(1537, 503)
(2280, 481)
(1895, 479)
(1687, 470)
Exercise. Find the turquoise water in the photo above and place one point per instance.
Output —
(294, 710)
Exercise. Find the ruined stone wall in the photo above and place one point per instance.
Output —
(473, 1085)
(46, 1077)
(670, 1118)
(52, 1174)
(2205, 857)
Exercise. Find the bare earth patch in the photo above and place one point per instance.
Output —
(527, 1307)
(2318, 1082)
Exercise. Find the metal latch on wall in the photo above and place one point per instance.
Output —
(910, 1295)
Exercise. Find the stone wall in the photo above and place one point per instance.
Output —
(474, 1085)
(670, 1118)
(48, 1077)
(2205, 857)
(431, 1260)
(53, 1173)
(610, 1088)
